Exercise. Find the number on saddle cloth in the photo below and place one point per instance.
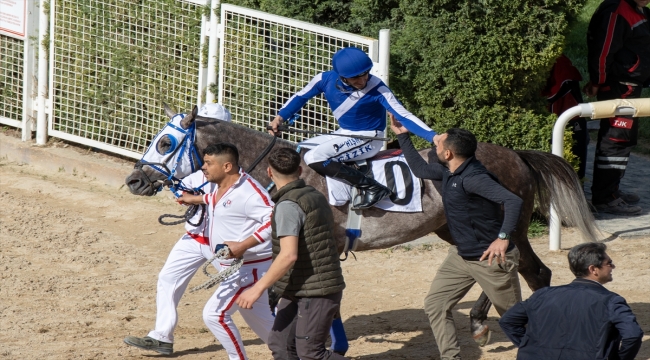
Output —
(389, 168)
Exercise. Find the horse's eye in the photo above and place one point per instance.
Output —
(166, 144)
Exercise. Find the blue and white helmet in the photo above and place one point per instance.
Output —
(350, 62)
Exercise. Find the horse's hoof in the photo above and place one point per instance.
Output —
(482, 338)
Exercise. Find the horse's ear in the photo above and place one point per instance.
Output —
(189, 119)
(169, 111)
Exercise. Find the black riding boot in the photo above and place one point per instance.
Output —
(371, 192)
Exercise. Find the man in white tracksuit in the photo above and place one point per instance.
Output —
(240, 213)
(185, 258)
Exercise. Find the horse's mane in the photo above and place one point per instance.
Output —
(238, 129)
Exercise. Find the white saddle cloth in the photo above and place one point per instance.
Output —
(340, 192)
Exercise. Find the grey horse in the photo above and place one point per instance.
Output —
(532, 175)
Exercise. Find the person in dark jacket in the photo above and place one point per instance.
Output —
(581, 320)
(306, 270)
(618, 41)
(472, 199)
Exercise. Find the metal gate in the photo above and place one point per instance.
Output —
(112, 64)
(17, 71)
(265, 59)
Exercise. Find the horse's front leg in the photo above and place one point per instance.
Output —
(478, 314)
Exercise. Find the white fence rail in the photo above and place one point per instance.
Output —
(111, 65)
(594, 110)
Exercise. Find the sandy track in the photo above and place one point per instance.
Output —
(79, 262)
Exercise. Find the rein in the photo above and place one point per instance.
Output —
(294, 130)
(176, 185)
(262, 155)
(221, 254)
(172, 181)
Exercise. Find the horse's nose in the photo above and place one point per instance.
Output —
(134, 183)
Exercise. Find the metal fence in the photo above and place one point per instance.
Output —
(11, 80)
(18, 47)
(113, 62)
(265, 59)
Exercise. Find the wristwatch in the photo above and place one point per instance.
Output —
(504, 236)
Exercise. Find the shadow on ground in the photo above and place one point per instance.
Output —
(385, 327)
(382, 328)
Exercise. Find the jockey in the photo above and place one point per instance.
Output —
(359, 102)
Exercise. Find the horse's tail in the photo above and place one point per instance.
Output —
(558, 184)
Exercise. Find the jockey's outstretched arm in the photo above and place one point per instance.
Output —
(418, 165)
(297, 101)
(410, 121)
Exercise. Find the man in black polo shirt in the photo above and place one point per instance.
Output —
(472, 198)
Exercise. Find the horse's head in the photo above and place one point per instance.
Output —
(171, 155)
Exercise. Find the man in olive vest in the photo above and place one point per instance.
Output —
(306, 270)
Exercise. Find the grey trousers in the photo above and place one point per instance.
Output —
(302, 326)
(454, 279)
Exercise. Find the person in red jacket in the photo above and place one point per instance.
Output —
(618, 40)
(562, 92)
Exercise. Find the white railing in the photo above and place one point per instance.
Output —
(108, 65)
(113, 63)
(594, 110)
(17, 72)
(265, 59)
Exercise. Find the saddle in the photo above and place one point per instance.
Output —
(389, 168)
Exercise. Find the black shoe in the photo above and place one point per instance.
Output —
(370, 196)
(148, 343)
(370, 191)
(619, 207)
(630, 198)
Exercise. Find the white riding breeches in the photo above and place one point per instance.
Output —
(218, 312)
(185, 258)
(340, 148)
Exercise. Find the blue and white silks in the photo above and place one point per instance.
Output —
(357, 110)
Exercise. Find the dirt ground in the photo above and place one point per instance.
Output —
(79, 263)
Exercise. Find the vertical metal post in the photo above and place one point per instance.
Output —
(597, 110)
(558, 149)
(384, 55)
(212, 49)
(43, 80)
(383, 71)
(202, 73)
(29, 57)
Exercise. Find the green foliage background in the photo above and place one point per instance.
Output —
(476, 64)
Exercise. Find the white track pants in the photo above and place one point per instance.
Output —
(341, 149)
(186, 257)
(217, 313)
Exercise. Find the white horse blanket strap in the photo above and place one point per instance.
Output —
(390, 171)
(215, 279)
